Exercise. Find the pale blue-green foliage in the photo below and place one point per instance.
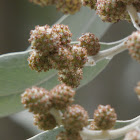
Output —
(16, 76)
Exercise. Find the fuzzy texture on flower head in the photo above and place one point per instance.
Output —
(90, 3)
(71, 78)
(90, 42)
(133, 45)
(39, 62)
(43, 39)
(75, 118)
(111, 10)
(62, 96)
(133, 135)
(68, 136)
(69, 6)
(79, 56)
(104, 117)
(45, 121)
(37, 100)
(43, 2)
(137, 5)
(64, 32)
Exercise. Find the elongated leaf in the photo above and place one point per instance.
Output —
(16, 75)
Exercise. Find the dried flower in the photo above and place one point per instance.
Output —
(75, 118)
(62, 96)
(104, 117)
(45, 121)
(90, 3)
(37, 100)
(133, 45)
(90, 42)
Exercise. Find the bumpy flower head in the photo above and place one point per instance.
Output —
(64, 33)
(133, 135)
(111, 10)
(90, 3)
(137, 90)
(79, 56)
(90, 42)
(137, 5)
(68, 136)
(63, 58)
(44, 39)
(71, 78)
(37, 100)
(39, 62)
(105, 117)
(133, 45)
(75, 118)
(62, 96)
(92, 126)
(69, 6)
(43, 2)
(45, 121)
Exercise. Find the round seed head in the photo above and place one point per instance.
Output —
(111, 10)
(64, 32)
(44, 39)
(69, 6)
(137, 90)
(90, 42)
(37, 100)
(133, 135)
(71, 78)
(62, 96)
(45, 121)
(79, 56)
(90, 3)
(133, 45)
(104, 117)
(39, 62)
(75, 118)
(43, 2)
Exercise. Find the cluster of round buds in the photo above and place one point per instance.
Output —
(90, 42)
(90, 3)
(37, 100)
(75, 118)
(69, 6)
(62, 96)
(68, 136)
(111, 10)
(45, 121)
(137, 90)
(104, 117)
(71, 78)
(43, 2)
(133, 135)
(133, 45)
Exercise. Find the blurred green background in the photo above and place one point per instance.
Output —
(113, 86)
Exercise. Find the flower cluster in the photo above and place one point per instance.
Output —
(115, 10)
(104, 118)
(52, 49)
(40, 102)
(133, 45)
(90, 3)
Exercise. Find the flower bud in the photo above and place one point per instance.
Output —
(90, 43)
(62, 96)
(69, 6)
(75, 118)
(45, 121)
(90, 3)
(37, 100)
(133, 135)
(133, 45)
(71, 78)
(104, 117)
